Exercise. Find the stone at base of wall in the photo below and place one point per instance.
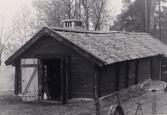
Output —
(80, 99)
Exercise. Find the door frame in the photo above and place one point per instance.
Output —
(65, 78)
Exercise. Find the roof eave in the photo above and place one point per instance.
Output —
(46, 30)
(13, 57)
(81, 51)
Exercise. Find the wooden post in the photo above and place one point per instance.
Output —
(160, 68)
(64, 78)
(96, 90)
(151, 68)
(117, 79)
(136, 71)
(127, 75)
(16, 90)
(69, 78)
(19, 84)
(40, 80)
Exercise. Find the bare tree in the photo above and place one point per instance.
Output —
(52, 12)
(77, 10)
(87, 5)
(99, 14)
(6, 34)
(92, 12)
(24, 26)
(95, 14)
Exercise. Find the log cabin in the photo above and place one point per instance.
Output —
(59, 64)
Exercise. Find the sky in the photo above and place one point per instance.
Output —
(8, 8)
(115, 6)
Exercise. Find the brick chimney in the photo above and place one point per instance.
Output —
(72, 23)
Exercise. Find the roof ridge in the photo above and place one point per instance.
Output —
(92, 31)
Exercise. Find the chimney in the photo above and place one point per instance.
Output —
(73, 24)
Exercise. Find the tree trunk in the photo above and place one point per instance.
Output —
(69, 9)
(87, 19)
(152, 11)
(86, 8)
(0, 57)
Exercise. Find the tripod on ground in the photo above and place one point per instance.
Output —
(139, 109)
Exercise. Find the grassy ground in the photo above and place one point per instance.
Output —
(12, 105)
(6, 78)
(124, 95)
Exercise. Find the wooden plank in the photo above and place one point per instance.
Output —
(117, 79)
(151, 68)
(64, 80)
(20, 77)
(144, 70)
(29, 65)
(17, 78)
(136, 71)
(160, 69)
(122, 76)
(81, 94)
(40, 77)
(99, 81)
(108, 74)
(127, 75)
(69, 78)
(131, 73)
(96, 90)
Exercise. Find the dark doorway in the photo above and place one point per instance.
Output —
(52, 84)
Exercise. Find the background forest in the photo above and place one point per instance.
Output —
(136, 16)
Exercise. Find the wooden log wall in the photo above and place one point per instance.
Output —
(130, 73)
(156, 68)
(144, 71)
(122, 76)
(108, 75)
(82, 77)
(164, 69)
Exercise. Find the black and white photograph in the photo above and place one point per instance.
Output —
(83, 57)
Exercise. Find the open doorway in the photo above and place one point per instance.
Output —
(52, 83)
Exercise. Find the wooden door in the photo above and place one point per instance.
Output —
(29, 74)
